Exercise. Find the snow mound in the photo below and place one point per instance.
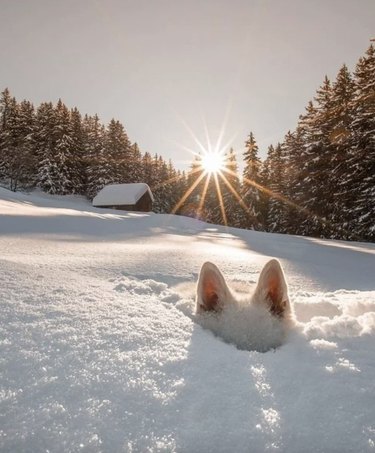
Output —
(343, 314)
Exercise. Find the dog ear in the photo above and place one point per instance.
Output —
(272, 289)
(212, 290)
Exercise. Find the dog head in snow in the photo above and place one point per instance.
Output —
(258, 322)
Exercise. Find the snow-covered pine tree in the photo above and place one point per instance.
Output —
(315, 159)
(232, 186)
(265, 180)
(276, 220)
(172, 186)
(7, 105)
(340, 108)
(77, 162)
(180, 186)
(8, 137)
(6, 101)
(135, 164)
(147, 168)
(47, 172)
(98, 167)
(302, 181)
(156, 183)
(340, 120)
(160, 185)
(16, 142)
(294, 175)
(118, 152)
(62, 153)
(214, 208)
(192, 205)
(319, 153)
(360, 182)
(22, 165)
(251, 179)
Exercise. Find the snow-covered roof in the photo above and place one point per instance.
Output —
(121, 194)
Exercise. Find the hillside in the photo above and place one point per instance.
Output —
(100, 352)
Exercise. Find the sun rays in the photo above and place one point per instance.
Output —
(212, 173)
(210, 166)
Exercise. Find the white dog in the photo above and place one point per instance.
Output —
(260, 322)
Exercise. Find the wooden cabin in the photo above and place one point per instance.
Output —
(126, 197)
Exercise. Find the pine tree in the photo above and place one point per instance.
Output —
(17, 163)
(6, 112)
(23, 163)
(360, 182)
(265, 181)
(47, 171)
(63, 150)
(214, 203)
(160, 185)
(250, 187)
(147, 168)
(315, 159)
(231, 187)
(294, 178)
(118, 152)
(320, 201)
(156, 183)
(77, 161)
(179, 189)
(276, 220)
(193, 205)
(8, 136)
(175, 187)
(135, 164)
(98, 167)
(340, 107)
(340, 119)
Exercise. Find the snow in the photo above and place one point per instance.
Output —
(121, 194)
(100, 349)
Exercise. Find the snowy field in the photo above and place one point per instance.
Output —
(100, 351)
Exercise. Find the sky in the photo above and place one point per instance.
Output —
(170, 70)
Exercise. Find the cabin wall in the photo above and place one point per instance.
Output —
(144, 204)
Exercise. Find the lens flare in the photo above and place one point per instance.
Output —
(212, 162)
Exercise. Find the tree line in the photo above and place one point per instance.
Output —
(55, 149)
(320, 181)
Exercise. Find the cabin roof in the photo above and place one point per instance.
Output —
(121, 194)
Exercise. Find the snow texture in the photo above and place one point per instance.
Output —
(100, 349)
(121, 194)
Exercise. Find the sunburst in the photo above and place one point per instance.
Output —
(212, 162)
(212, 165)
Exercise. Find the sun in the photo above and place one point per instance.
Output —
(212, 162)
